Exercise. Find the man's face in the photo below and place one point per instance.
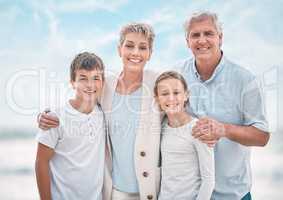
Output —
(204, 40)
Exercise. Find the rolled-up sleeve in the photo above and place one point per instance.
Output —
(253, 105)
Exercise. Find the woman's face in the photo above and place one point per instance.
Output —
(134, 51)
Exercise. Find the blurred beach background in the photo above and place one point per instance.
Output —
(40, 38)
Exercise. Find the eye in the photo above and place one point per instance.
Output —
(209, 33)
(164, 93)
(195, 35)
(96, 78)
(129, 46)
(176, 92)
(143, 48)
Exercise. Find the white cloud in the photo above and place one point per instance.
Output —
(71, 6)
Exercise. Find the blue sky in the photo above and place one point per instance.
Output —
(40, 38)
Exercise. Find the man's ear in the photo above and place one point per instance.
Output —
(220, 39)
(188, 42)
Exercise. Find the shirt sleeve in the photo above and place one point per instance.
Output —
(49, 138)
(207, 171)
(253, 106)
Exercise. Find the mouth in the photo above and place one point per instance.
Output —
(135, 60)
(172, 106)
(203, 49)
(90, 92)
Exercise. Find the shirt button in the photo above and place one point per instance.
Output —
(149, 196)
(145, 174)
(142, 153)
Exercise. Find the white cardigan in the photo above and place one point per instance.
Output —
(147, 144)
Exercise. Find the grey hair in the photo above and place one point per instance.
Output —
(201, 16)
(142, 28)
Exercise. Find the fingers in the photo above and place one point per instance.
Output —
(207, 130)
(43, 127)
(47, 121)
(50, 118)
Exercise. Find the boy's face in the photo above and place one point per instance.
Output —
(88, 84)
(171, 96)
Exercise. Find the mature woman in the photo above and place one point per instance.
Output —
(133, 157)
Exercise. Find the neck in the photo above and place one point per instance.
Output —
(129, 81)
(178, 119)
(83, 106)
(206, 67)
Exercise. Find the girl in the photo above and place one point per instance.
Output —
(187, 164)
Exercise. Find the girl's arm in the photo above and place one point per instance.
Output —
(207, 172)
(44, 154)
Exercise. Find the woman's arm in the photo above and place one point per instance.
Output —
(44, 154)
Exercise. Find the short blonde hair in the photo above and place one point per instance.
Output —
(201, 16)
(142, 28)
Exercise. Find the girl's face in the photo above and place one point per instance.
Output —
(134, 51)
(171, 96)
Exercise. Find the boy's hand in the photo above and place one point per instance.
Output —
(47, 121)
(208, 131)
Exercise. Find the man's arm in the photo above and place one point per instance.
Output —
(246, 135)
(44, 154)
(47, 120)
(209, 130)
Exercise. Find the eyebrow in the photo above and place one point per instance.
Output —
(82, 75)
(130, 41)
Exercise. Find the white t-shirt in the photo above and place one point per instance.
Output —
(187, 165)
(77, 167)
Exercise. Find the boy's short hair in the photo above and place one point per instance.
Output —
(87, 61)
(142, 28)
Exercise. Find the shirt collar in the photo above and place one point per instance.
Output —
(217, 70)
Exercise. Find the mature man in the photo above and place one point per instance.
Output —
(228, 101)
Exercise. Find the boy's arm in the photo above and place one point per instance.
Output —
(44, 154)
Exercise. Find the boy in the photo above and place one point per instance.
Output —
(70, 158)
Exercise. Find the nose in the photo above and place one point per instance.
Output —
(135, 51)
(90, 84)
(171, 97)
(202, 38)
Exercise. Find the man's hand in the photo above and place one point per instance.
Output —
(47, 120)
(208, 131)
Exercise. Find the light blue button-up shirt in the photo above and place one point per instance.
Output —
(231, 95)
(125, 120)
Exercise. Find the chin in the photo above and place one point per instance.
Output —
(135, 68)
(171, 112)
(90, 99)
